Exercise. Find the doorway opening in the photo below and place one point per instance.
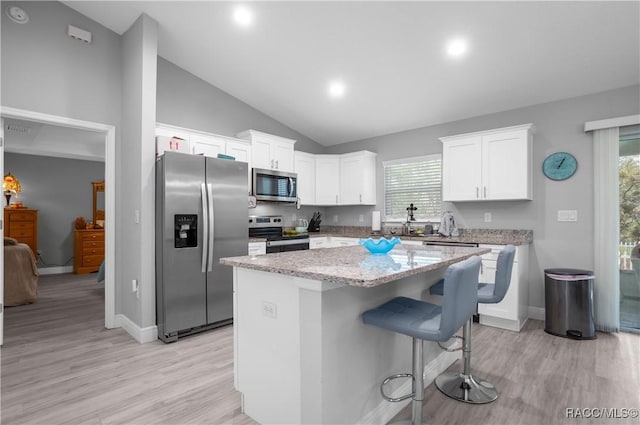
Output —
(108, 133)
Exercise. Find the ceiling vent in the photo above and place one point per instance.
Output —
(79, 34)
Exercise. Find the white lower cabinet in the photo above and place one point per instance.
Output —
(332, 242)
(257, 248)
(410, 242)
(512, 312)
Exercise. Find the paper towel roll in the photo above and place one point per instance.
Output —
(375, 221)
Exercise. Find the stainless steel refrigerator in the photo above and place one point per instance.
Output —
(201, 216)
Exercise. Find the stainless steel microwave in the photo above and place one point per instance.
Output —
(275, 186)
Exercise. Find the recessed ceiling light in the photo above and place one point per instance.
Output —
(457, 47)
(336, 89)
(243, 16)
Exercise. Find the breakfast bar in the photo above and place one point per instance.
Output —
(301, 352)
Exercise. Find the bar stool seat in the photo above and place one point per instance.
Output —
(463, 386)
(422, 320)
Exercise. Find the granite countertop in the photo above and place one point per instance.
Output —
(483, 236)
(354, 265)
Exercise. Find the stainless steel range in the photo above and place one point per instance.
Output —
(271, 228)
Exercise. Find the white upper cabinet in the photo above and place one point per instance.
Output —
(305, 168)
(327, 180)
(208, 145)
(358, 178)
(488, 166)
(269, 151)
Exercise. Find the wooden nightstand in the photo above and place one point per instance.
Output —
(22, 225)
(88, 250)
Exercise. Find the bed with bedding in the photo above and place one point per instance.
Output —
(20, 274)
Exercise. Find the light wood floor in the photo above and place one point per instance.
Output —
(60, 366)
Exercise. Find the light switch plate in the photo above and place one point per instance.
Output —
(568, 215)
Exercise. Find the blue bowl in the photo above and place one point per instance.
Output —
(380, 246)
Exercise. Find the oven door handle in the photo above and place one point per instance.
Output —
(288, 242)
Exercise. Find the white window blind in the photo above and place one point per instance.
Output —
(416, 181)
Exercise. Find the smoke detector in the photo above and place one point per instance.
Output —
(17, 14)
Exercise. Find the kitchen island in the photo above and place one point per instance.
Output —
(302, 354)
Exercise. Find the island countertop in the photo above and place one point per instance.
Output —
(354, 265)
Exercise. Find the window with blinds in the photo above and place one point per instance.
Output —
(416, 181)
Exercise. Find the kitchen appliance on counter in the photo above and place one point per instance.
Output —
(275, 186)
(200, 217)
(271, 228)
(314, 223)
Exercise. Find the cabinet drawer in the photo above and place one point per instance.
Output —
(18, 225)
(21, 232)
(22, 216)
(87, 245)
(98, 250)
(98, 236)
(92, 260)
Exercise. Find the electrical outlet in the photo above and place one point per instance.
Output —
(335, 218)
(134, 285)
(567, 215)
(293, 217)
(361, 218)
(487, 217)
(269, 309)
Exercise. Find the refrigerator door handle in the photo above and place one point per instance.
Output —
(211, 224)
(205, 227)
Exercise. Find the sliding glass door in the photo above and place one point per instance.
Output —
(629, 251)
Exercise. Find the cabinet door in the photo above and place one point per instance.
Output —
(241, 151)
(461, 169)
(305, 168)
(327, 179)
(320, 242)
(261, 154)
(207, 145)
(506, 166)
(358, 179)
(282, 155)
(257, 248)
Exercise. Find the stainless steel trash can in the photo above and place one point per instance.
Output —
(568, 296)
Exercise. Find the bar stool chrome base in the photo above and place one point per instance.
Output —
(462, 386)
(466, 388)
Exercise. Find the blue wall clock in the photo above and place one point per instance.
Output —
(559, 166)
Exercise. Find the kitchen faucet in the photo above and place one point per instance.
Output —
(406, 228)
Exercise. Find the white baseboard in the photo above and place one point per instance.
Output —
(385, 410)
(536, 313)
(142, 335)
(55, 270)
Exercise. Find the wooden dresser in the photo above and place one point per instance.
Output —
(88, 250)
(22, 224)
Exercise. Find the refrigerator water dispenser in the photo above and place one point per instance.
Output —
(186, 230)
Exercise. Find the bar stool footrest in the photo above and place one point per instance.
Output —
(389, 379)
(466, 388)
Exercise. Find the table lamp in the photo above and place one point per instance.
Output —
(10, 185)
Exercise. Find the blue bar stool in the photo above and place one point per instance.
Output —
(425, 321)
(464, 386)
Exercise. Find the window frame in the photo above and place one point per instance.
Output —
(406, 161)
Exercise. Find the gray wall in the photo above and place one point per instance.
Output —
(186, 101)
(60, 189)
(559, 126)
(46, 71)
